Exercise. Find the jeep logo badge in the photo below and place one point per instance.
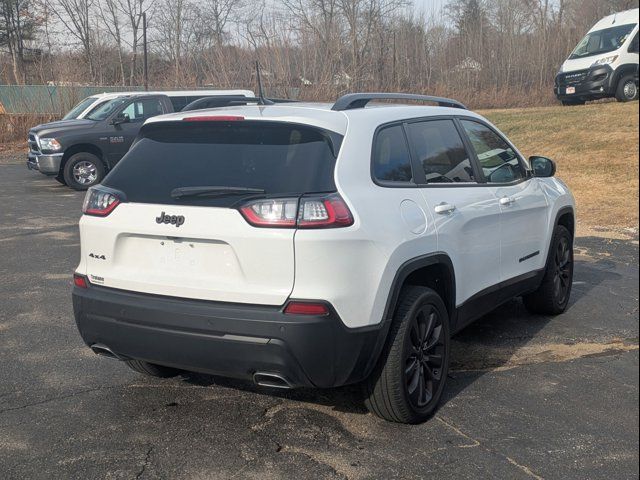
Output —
(176, 220)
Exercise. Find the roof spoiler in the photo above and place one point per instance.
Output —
(360, 100)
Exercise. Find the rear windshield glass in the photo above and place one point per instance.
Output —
(279, 158)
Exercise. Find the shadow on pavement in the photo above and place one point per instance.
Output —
(507, 329)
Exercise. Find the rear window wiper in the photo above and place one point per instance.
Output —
(212, 191)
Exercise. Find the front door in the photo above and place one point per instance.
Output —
(524, 208)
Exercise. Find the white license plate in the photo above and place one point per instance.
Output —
(571, 90)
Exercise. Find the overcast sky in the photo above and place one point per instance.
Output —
(429, 5)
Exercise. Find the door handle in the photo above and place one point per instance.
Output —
(506, 201)
(444, 208)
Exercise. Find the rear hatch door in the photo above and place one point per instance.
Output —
(200, 246)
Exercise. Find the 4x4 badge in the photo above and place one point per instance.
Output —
(176, 220)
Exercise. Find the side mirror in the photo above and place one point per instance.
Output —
(120, 118)
(543, 167)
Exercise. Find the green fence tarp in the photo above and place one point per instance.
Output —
(48, 99)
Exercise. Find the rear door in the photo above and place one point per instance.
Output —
(201, 246)
(523, 204)
(466, 214)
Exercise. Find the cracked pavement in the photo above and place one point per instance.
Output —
(529, 397)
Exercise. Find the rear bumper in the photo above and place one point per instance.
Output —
(597, 83)
(47, 164)
(230, 340)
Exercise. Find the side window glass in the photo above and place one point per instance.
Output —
(150, 108)
(499, 162)
(440, 151)
(391, 160)
(130, 111)
(140, 110)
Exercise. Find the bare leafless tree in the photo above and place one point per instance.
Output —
(77, 16)
(110, 17)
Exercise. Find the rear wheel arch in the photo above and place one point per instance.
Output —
(433, 270)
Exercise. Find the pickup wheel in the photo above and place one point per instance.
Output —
(83, 170)
(552, 297)
(407, 384)
(627, 89)
(151, 369)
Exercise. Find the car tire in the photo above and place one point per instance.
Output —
(83, 170)
(151, 369)
(409, 379)
(572, 103)
(627, 90)
(552, 297)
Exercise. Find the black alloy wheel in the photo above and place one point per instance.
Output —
(407, 384)
(552, 296)
(424, 352)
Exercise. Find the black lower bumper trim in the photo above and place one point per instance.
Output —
(596, 84)
(225, 339)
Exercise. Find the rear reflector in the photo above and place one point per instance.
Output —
(80, 281)
(214, 118)
(306, 308)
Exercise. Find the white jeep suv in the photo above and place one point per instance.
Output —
(318, 245)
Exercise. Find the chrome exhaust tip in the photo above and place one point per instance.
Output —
(271, 380)
(104, 351)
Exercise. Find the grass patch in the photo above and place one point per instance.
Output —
(596, 149)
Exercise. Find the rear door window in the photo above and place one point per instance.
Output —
(280, 158)
(440, 151)
(391, 159)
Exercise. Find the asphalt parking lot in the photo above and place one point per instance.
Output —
(529, 396)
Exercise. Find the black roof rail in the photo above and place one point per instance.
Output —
(360, 100)
(218, 101)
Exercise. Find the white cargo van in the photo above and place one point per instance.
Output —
(604, 64)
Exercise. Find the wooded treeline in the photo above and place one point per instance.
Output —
(485, 52)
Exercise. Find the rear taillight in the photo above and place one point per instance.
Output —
(328, 211)
(322, 211)
(100, 202)
(279, 212)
